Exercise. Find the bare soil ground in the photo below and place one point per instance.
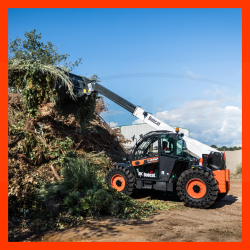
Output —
(221, 222)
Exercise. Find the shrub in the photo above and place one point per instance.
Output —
(80, 174)
(87, 195)
(72, 203)
(102, 201)
(239, 169)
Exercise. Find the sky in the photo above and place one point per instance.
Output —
(182, 65)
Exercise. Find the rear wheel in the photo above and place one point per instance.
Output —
(121, 179)
(197, 188)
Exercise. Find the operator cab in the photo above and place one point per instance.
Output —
(158, 158)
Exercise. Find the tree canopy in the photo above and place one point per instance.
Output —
(33, 49)
(34, 66)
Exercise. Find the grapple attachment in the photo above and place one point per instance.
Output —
(82, 87)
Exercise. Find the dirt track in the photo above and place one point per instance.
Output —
(221, 222)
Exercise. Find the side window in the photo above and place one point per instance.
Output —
(147, 148)
(167, 144)
(179, 148)
(154, 148)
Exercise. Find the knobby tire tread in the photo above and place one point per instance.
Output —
(211, 185)
(128, 176)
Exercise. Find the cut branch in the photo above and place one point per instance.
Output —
(55, 173)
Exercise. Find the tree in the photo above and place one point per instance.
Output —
(34, 67)
(33, 49)
(213, 146)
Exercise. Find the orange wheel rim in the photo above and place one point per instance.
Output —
(118, 182)
(196, 188)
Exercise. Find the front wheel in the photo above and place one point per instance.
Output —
(121, 179)
(197, 188)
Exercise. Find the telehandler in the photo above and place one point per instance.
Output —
(164, 159)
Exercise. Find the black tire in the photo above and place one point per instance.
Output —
(126, 174)
(209, 184)
(221, 196)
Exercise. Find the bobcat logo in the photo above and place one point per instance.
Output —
(140, 174)
(154, 121)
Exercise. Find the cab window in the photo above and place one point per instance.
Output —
(179, 148)
(167, 144)
(147, 148)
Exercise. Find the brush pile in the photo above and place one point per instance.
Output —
(47, 131)
(41, 146)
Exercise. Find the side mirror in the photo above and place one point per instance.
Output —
(133, 138)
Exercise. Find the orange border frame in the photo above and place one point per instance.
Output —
(114, 4)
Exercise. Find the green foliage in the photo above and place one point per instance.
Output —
(111, 202)
(35, 82)
(83, 110)
(73, 203)
(99, 159)
(80, 174)
(62, 150)
(33, 70)
(33, 49)
(239, 169)
(48, 190)
(102, 201)
(238, 173)
(36, 145)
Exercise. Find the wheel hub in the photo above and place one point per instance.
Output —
(196, 188)
(118, 183)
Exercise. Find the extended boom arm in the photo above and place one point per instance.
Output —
(84, 87)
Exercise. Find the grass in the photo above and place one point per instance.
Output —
(238, 173)
(239, 169)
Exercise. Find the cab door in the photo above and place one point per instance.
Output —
(172, 160)
(145, 158)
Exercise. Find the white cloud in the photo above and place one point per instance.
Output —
(207, 122)
(138, 121)
(221, 94)
(112, 124)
